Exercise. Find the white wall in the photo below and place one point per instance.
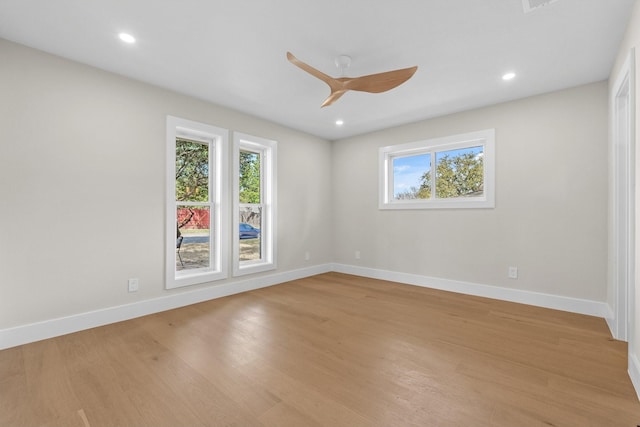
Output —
(550, 218)
(632, 41)
(82, 174)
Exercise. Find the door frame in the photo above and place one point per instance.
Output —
(623, 173)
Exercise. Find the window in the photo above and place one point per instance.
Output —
(196, 187)
(254, 231)
(451, 172)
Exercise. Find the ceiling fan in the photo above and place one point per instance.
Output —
(373, 83)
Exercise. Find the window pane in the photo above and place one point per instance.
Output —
(412, 177)
(249, 177)
(250, 236)
(192, 171)
(460, 173)
(193, 238)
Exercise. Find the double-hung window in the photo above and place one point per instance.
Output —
(451, 172)
(196, 215)
(254, 195)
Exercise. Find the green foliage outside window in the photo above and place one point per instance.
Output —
(458, 176)
(192, 171)
(249, 179)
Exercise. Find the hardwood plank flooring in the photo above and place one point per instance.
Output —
(330, 350)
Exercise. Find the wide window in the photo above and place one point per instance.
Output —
(195, 214)
(451, 172)
(254, 209)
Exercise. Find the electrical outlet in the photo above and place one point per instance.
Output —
(134, 285)
(307, 256)
(513, 272)
(357, 254)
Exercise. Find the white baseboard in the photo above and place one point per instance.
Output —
(610, 318)
(25, 334)
(574, 305)
(634, 372)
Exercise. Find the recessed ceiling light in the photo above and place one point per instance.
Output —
(339, 122)
(127, 38)
(509, 76)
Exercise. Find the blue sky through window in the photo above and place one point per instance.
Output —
(408, 171)
(455, 153)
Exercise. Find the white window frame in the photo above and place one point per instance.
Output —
(217, 139)
(484, 138)
(267, 149)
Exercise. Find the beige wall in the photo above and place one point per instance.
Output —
(632, 41)
(550, 218)
(82, 173)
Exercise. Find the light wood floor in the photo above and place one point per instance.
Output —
(331, 350)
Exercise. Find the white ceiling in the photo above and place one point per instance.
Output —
(232, 53)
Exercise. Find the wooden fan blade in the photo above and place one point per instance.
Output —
(335, 94)
(337, 87)
(381, 82)
(316, 73)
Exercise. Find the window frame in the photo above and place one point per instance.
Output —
(217, 140)
(484, 138)
(267, 149)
